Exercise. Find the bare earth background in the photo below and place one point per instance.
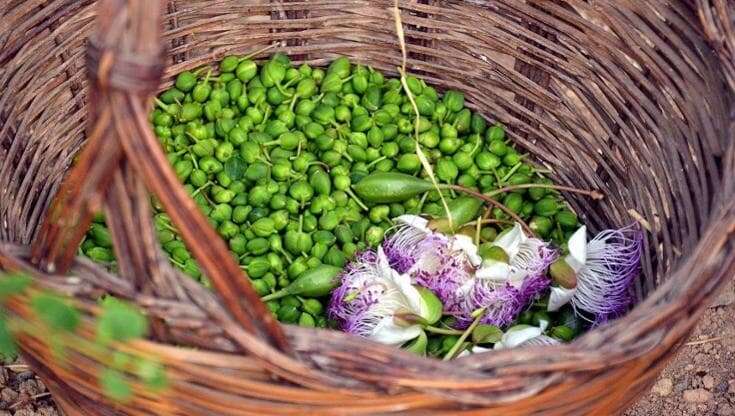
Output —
(700, 380)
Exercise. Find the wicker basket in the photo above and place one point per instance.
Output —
(626, 96)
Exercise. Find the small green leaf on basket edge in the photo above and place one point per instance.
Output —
(8, 348)
(55, 312)
(120, 321)
(13, 284)
(153, 374)
(120, 359)
(485, 334)
(115, 385)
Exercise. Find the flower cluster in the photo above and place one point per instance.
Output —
(604, 269)
(383, 293)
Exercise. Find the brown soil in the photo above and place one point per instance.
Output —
(700, 380)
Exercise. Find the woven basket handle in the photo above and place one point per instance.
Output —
(120, 156)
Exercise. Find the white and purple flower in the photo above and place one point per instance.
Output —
(603, 270)
(506, 287)
(526, 257)
(453, 269)
(377, 302)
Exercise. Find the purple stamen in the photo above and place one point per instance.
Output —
(604, 282)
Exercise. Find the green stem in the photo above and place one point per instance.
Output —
(477, 231)
(201, 188)
(194, 161)
(422, 201)
(279, 87)
(336, 125)
(266, 116)
(161, 104)
(474, 149)
(463, 337)
(420, 153)
(356, 199)
(594, 194)
(495, 173)
(275, 295)
(511, 172)
(286, 255)
(170, 228)
(259, 51)
(193, 137)
(293, 102)
(442, 331)
(291, 82)
(376, 161)
(486, 221)
(318, 162)
(198, 70)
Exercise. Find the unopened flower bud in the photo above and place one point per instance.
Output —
(562, 274)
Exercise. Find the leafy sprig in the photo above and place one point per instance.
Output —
(57, 321)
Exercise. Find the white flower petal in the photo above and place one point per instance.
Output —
(465, 245)
(414, 221)
(516, 277)
(383, 265)
(494, 270)
(559, 297)
(414, 301)
(543, 324)
(473, 350)
(518, 335)
(429, 262)
(540, 341)
(511, 240)
(577, 245)
(387, 332)
(407, 296)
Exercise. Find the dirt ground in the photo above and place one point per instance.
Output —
(700, 380)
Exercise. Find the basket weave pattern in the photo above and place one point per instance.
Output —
(629, 96)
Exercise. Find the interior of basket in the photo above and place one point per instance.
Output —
(595, 116)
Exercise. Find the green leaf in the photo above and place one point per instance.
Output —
(55, 312)
(115, 386)
(153, 374)
(120, 359)
(418, 345)
(8, 348)
(433, 305)
(120, 321)
(235, 168)
(13, 284)
(58, 349)
(484, 334)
